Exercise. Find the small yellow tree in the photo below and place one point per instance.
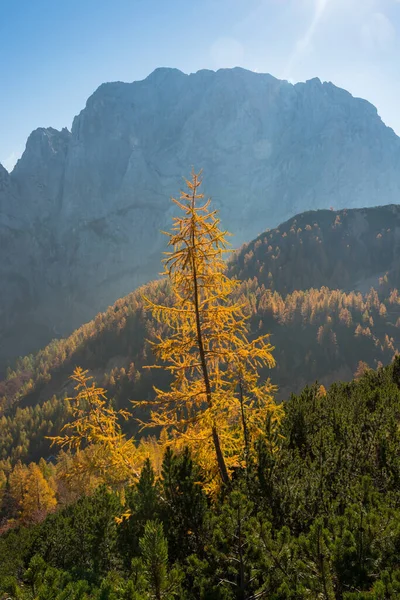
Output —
(112, 456)
(17, 482)
(100, 451)
(39, 498)
(215, 403)
(75, 475)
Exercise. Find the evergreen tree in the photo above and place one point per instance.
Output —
(162, 581)
(143, 504)
(185, 508)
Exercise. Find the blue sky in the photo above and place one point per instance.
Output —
(54, 53)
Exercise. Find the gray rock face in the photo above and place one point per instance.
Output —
(81, 213)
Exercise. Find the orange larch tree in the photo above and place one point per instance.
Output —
(215, 403)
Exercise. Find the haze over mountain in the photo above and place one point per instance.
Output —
(81, 213)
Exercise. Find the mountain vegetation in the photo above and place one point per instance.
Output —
(232, 496)
(316, 515)
(348, 250)
(318, 333)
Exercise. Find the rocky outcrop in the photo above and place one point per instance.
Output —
(81, 214)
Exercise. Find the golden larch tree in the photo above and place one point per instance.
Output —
(17, 482)
(98, 449)
(215, 403)
(39, 497)
(95, 427)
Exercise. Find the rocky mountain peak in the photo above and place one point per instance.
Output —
(82, 210)
(42, 146)
(161, 74)
(4, 175)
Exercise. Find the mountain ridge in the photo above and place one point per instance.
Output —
(208, 72)
(81, 212)
(318, 333)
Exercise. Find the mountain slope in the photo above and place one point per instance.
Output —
(316, 510)
(81, 213)
(317, 333)
(347, 249)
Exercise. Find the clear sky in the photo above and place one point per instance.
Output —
(55, 53)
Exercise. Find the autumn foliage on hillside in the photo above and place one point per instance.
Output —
(230, 495)
(306, 258)
(318, 334)
(316, 518)
(216, 405)
(347, 249)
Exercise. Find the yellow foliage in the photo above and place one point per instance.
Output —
(99, 450)
(33, 493)
(39, 496)
(362, 368)
(112, 456)
(215, 404)
(17, 482)
(76, 474)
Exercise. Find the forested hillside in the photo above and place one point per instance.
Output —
(317, 516)
(346, 249)
(146, 456)
(200, 300)
(318, 333)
